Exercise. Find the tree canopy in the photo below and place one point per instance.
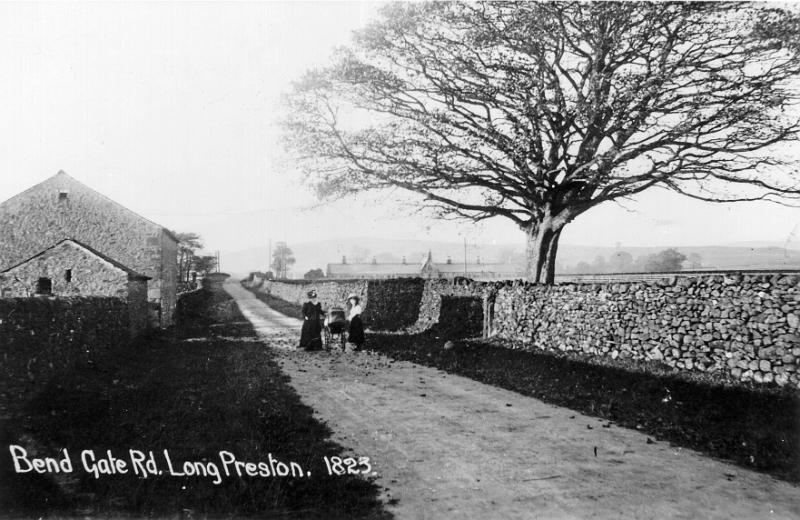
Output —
(282, 258)
(537, 112)
(188, 244)
(314, 274)
(667, 261)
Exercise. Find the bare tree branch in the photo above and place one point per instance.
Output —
(538, 112)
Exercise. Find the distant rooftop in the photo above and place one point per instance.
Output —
(374, 269)
(428, 266)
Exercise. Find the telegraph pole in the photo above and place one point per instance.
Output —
(465, 256)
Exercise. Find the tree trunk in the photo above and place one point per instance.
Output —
(541, 250)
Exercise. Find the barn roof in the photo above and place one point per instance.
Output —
(67, 179)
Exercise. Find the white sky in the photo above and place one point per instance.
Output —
(170, 109)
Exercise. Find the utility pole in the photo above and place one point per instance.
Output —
(217, 260)
(269, 257)
(465, 255)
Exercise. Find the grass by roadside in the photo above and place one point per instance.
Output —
(287, 308)
(206, 387)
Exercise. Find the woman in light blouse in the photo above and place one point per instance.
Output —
(355, 334)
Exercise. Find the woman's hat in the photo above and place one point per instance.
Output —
(353, 296)
(312, 294)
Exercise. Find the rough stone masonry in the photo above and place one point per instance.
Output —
(745, 325)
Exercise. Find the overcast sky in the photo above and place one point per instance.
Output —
(170, 109)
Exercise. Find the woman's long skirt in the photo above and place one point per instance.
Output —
(311, 335)
(356, 333)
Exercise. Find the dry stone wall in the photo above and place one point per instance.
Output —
(745, 326)
(40, 337)
(329, 293)
(388, 304)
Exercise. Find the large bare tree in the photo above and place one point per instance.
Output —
(539, 111)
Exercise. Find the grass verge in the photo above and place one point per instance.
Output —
(284, 307)
(206, 387)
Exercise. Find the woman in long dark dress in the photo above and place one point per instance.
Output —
(355, 333)
(311, 333)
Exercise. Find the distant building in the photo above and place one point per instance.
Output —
(70, 268)
(426, 269)
(62, 208)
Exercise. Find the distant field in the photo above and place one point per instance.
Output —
(762, 255)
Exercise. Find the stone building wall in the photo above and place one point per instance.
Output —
(61, 207)
(137, 306)
(168, 278)
(89, 275)
(745, 326)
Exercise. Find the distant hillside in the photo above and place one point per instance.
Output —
(310, 255)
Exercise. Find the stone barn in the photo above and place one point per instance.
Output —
(62, 208)
(70, 268)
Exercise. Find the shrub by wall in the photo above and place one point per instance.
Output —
(393, 304)
(460, 316)
(438, 291)
(39, 337)
(746, 325)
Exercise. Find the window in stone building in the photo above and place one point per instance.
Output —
(68, 275)
(44, 286)
(63, 194)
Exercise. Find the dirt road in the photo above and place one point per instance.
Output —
(450, 447)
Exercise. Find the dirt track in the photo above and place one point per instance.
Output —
(450, 447)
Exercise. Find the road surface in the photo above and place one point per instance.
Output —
(446, 446)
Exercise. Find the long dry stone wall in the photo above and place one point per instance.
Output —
(746, 326)
(329, 294)
(388, 304)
